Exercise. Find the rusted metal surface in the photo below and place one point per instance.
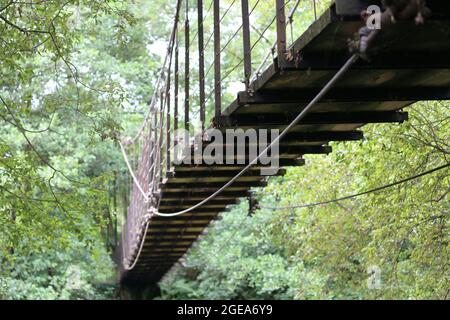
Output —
(246, 43)
(201, 63)
(281, 33)
(217, 62)
(186, 67)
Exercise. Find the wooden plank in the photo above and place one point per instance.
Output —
(225, 174)
(207, 186)
(270, 120)
(345, 95)
(217, 61)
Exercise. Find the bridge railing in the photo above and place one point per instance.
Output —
(213, 45)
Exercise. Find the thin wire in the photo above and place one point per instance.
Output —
(261, 36)
(238, 29)
(229, 41)
(390, 185)
(231, 38)
(262, 33)
(315, 10)
(208, 11)
(267, 28)
(229, 8)
(232, 70)
(220, 21)
(272, 49)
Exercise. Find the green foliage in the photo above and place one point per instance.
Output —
(73, 73)
(73, 273)
(237, 261)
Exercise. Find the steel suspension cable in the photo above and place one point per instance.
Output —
(220, 21)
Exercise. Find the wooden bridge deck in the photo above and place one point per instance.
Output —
(410, 63)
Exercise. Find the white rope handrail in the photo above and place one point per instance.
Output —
(130, 169)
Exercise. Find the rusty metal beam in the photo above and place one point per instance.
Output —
(217, 62)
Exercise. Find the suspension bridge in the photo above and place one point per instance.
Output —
(311, 85)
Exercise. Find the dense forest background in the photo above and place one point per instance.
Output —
(76, 73)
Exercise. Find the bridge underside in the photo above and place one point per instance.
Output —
(408, 63)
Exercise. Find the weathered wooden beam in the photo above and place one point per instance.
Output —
(188, 218)
(165, 237)
(202, 180)
(353, 7)
(143, 269)
(165, 250)
(152, 257)
(169, 235)
(302, 96)
(158, 255)
(180, 187)
(323, 136)
(189, 203)
(201, 210)
(167, 246)
(201, 196)
(224, 174)
(322, 61)
(182, 223)
(216, 168)
(268, 120)
(285, 153)
(208, 185)
(236, 167)
(176, 242)
(304, 137)
(175, 229)
(217, 60)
